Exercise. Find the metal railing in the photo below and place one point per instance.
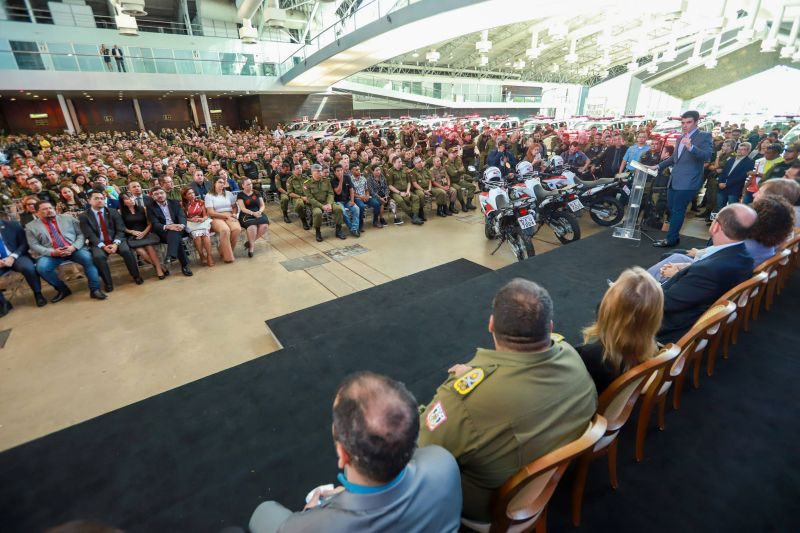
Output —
(138, 60)
(365, 14)
(446, 93)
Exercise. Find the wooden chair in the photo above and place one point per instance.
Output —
(615, 405)
(520, 504)
(690, 345)
(743, 296)
(712, 329)
(771, 266)
(793, 246)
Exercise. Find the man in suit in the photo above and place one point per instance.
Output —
(169, 223)
(387, 484)
(139, 197)
(106, 233)
(56, 239)
(14, 256)
(733, 176)
(689, 291)
(692, 149)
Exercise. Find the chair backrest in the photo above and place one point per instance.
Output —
(770, 265)
(617, 401)
(526, 494)
(696, 339)
(743, 292)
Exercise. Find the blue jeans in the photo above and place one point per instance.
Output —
(352, 215)
(678, 202)
(747, 198)
(725, 198)
(46, 266)
(374, 203)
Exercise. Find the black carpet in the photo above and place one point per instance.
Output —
(323, 319)
(202, 456)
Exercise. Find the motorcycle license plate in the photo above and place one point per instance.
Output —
(526, 222)
(627, 190)
(575, 205)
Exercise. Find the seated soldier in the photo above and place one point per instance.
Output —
(296, 192)
(400, 186)
(460, 179)
(320, 196)
(423, 187)
(508, 406)
(386, 484)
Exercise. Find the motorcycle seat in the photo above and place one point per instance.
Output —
(595, 183)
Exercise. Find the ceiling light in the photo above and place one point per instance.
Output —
(484, 45)
(415, 54)
(433, 56)
(13, 99)
(36, 96)
(484, 60)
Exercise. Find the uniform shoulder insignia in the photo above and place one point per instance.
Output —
(436, 416)
(557, 337)
(469, 381)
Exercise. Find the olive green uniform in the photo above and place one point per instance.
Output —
(510, 409)
(399, 179)
(295, 191)
(320, 193)
(424, 180)
(460, 179)
(440, 177)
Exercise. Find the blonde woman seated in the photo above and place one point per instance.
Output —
(221, 207)
(624, 334)
(198, 224)
(251, 215)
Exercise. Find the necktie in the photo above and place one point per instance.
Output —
(3, 249)
(58, 239)
(104, 228)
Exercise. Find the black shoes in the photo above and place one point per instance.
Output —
(249, 246)
(109, 287)
(286, 217)
(60, 295)
(469, 205)
(5, 307)
(421, 214)
(416, 220)
(440, 211)
(97, 294)
(664, 244)
(318, 234)
(339, 233)
(306, 226)
(463, 207)
(40, 301)
(452, 209)
(138, 281)
(186, 271)
(383, 222)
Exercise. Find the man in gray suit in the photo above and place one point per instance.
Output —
(56, 239)
(386, 484)
(692, 149)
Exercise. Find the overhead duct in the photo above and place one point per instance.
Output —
(133, 8)
(126, 25)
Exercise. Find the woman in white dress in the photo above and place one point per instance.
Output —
(221, 207)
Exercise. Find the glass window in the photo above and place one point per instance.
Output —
(89, 59)
(211, 64)
(165, 64)
(6, 57)
(184, 62)
(248, 64)
(62, 56)
(27, 55)
(230, 65)
(142, 60)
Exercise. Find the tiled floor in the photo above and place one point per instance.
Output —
(80, 358)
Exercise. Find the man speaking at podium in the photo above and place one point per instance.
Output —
(692, 149)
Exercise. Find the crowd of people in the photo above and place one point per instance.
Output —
(83, 198)
(404, 467)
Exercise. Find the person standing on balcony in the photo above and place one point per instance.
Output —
(106, 53)
(119, 58)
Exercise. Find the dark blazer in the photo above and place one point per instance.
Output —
(734, 180)
(689, 293)
(157, 218)
(688, 170)
(14, 237)
(91, 229)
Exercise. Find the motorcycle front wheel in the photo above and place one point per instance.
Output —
(488, 228)
(606, 211)
(521, 244)
(565, 226)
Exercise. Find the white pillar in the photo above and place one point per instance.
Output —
(74, 115)
(65, 112)
(193, 107)
(138, 112)
(30, 11)
(206, 112)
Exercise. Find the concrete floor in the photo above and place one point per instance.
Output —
(80, 358)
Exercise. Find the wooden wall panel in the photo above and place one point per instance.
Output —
(17, 116)
(105, 115)
(230, 112)
(177, 111)
(286, 107)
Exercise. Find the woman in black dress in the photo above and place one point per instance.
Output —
(137, 228)
(251, 215)
(624, 334)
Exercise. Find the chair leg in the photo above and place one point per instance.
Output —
(712, 352)
(698, 359)
(541, 523)
(662, 407)
(581, 472)
(612, 464)
(641, 426)
(678, 389)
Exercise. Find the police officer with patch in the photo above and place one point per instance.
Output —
(320, 195)
(422, 186)
(400, 186)
(511, 405)
(296, 192)
(460, 179)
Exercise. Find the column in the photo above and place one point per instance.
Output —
(138, 112)
(74, 115)
(65, 112)
(633, 95)
(29, 8)
(193, 107)
(206, 113)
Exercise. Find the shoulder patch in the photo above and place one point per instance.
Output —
(436, 416)
(467, 383)
(557, 337)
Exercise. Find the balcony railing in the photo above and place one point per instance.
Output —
(446, 92)
(86, 58)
